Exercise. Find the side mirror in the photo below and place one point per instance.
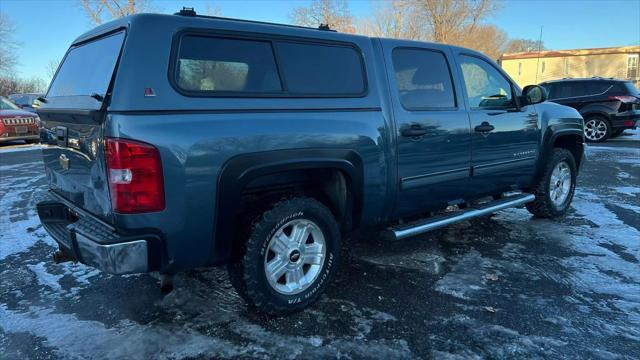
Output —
(533, 94)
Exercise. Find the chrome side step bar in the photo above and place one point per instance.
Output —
(416, 228)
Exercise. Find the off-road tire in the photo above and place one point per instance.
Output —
(543, 206)
(247, 271)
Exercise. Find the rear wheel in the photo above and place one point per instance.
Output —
(597, 129)
(555, 190)
(289, 257)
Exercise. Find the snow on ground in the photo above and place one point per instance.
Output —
(507, 286)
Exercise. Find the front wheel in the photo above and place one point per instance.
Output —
(597, 129)
(290, 256)
(555, 190)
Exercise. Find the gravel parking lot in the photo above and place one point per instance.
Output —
(505, 286)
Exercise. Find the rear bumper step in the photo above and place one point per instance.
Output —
(407, 230)
(90, 242)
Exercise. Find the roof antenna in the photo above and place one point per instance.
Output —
(539, 51)
(324, 27)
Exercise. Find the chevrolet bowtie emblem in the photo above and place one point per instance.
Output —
(64, 161)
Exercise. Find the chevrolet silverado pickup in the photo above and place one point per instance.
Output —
(184, 141)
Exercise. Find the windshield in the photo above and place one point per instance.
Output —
(5, 104)
(87, 69)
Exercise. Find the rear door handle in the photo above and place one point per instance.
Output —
(484, 127)
(413, 131)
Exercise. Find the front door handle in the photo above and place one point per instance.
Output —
(414, 130)
(484, 127)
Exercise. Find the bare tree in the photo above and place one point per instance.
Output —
(99, 11)
(334, 13)
(457, 22)
(8, 46)
(52, 67)
(487, 39)
(454, 21)
(13, 85)
(393, 19)
(524, 45)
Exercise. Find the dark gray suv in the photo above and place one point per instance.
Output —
(182, 141)
(609, 106)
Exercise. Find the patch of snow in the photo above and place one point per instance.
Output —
(629, 135)
(627, 190)
(20, 228)
(633, 208)
(83, 339)
(624, 175)
(45, 278)
(491, 342)
(460, 282)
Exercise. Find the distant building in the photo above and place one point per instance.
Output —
(616, 62)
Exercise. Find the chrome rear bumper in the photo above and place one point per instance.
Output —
(96, 244)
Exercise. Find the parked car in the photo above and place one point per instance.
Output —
(17, 124)
(212, 141)
(608, 106)
(26, 102)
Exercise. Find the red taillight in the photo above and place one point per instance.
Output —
(135, 176)
(624, 98)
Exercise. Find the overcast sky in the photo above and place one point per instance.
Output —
(46, 28)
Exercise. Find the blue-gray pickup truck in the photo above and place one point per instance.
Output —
(183, 141)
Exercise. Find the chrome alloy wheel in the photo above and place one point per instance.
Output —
(294, 257)
(595, 129)
(560, 184)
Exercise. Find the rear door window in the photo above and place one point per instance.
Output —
(317, 69)
(597, 87)
(87, 69)
(209, 64)
(569, 90)
(423, 79)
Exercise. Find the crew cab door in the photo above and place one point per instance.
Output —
(505, 135)
(431, 126)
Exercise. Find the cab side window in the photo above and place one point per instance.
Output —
(485, 85)
(423, 79)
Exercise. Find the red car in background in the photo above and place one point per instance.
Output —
(17, 124)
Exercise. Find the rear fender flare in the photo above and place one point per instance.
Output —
(240, 170)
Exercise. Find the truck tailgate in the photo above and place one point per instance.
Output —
(74, 161)
(72, 116)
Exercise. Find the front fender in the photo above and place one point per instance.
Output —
(556, 121)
